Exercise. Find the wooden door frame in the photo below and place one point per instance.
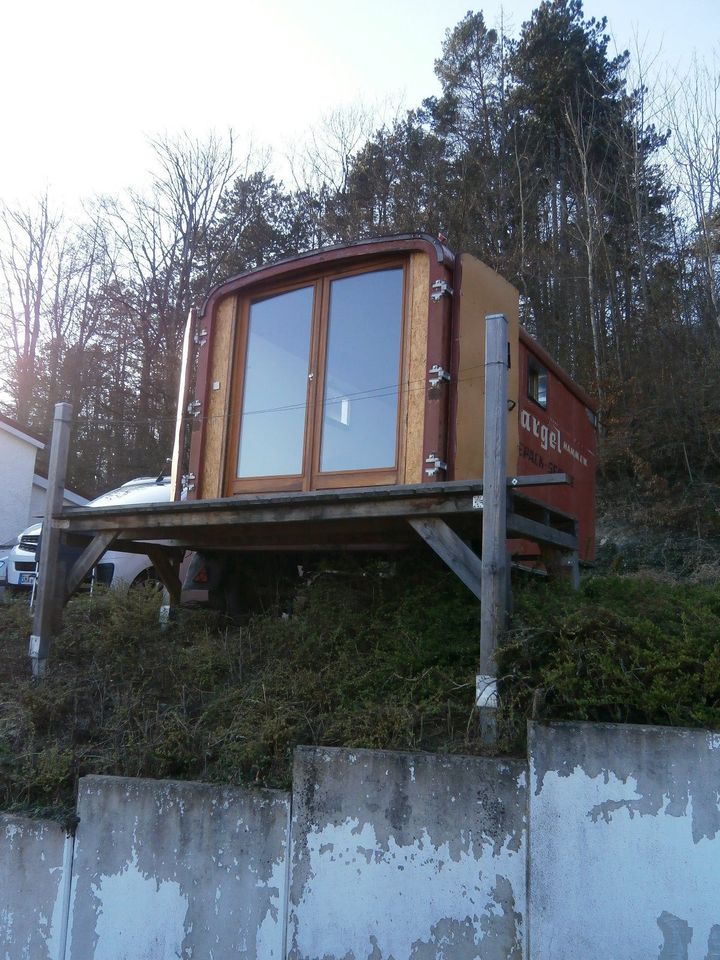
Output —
(311, 477)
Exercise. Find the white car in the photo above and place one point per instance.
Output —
(115, 569)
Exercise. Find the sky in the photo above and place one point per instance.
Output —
(85, 84)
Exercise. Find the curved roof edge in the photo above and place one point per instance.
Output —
(322, 254)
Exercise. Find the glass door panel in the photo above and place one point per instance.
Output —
(361, 386)
(272, 426)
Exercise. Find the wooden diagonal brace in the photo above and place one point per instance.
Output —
(86, 561)
(452, 550)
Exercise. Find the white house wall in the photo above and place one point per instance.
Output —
(38, 499)
(17, 466)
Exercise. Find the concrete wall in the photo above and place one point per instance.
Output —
(17, 466)
(167, 870)
(625, 843)
(406, 856)
(611, 851)
(35, 857)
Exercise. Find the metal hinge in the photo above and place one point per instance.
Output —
(186, 481)
(194, 407)
(436, 465)
(437, 373)
(200, 337)
(440, 289)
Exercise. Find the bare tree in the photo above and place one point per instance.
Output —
(161, 248)
(322, 166)
(589, 188)
(693, 112)
(29, 246)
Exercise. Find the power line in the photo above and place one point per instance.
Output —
(399, 389)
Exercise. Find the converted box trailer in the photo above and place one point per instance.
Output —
(339, 403)
(362, 365)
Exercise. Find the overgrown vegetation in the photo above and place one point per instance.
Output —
(624, 649)
(367, 658)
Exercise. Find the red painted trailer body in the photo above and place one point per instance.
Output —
(363, 365)
(558, 436)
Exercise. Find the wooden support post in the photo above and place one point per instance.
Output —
(573, 562)
(494, 534)
(167, 570)
(50, 577)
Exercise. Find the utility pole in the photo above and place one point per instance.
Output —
(493, 584)
(50, 574)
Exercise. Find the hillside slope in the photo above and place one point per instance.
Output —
(366, 655)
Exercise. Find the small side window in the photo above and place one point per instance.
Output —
(537, 387)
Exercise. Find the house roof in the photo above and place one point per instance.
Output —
(76, 498)
(18, 430)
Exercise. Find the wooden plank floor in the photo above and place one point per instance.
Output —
(370, 517)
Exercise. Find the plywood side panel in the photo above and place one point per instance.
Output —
(482, 291)
(416, 383)
(218, 398)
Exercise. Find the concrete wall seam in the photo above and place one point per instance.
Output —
(605, 846)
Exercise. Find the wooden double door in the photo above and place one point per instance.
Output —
(318, 383)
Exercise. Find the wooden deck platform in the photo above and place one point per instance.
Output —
(448, 517)
(367, 518)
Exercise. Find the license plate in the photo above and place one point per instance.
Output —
(26, 579)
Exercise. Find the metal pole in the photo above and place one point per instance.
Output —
(50, 576)
(180, 420)
(494, 534)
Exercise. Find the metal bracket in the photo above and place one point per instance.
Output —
(200, 337)
(436, 465)
(186, 483)
(437, 373)
(194, 407)
(440, 289)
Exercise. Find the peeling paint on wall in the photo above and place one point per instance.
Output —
(177, 870)
(406, 856)
(688, 784)
(713, 951)
(677, 934)
(625, 849)
(31, 888)
(393, 857)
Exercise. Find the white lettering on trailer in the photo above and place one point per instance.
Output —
(550, 439)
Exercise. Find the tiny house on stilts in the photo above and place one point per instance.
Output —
(362, 366)
(338, 401)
